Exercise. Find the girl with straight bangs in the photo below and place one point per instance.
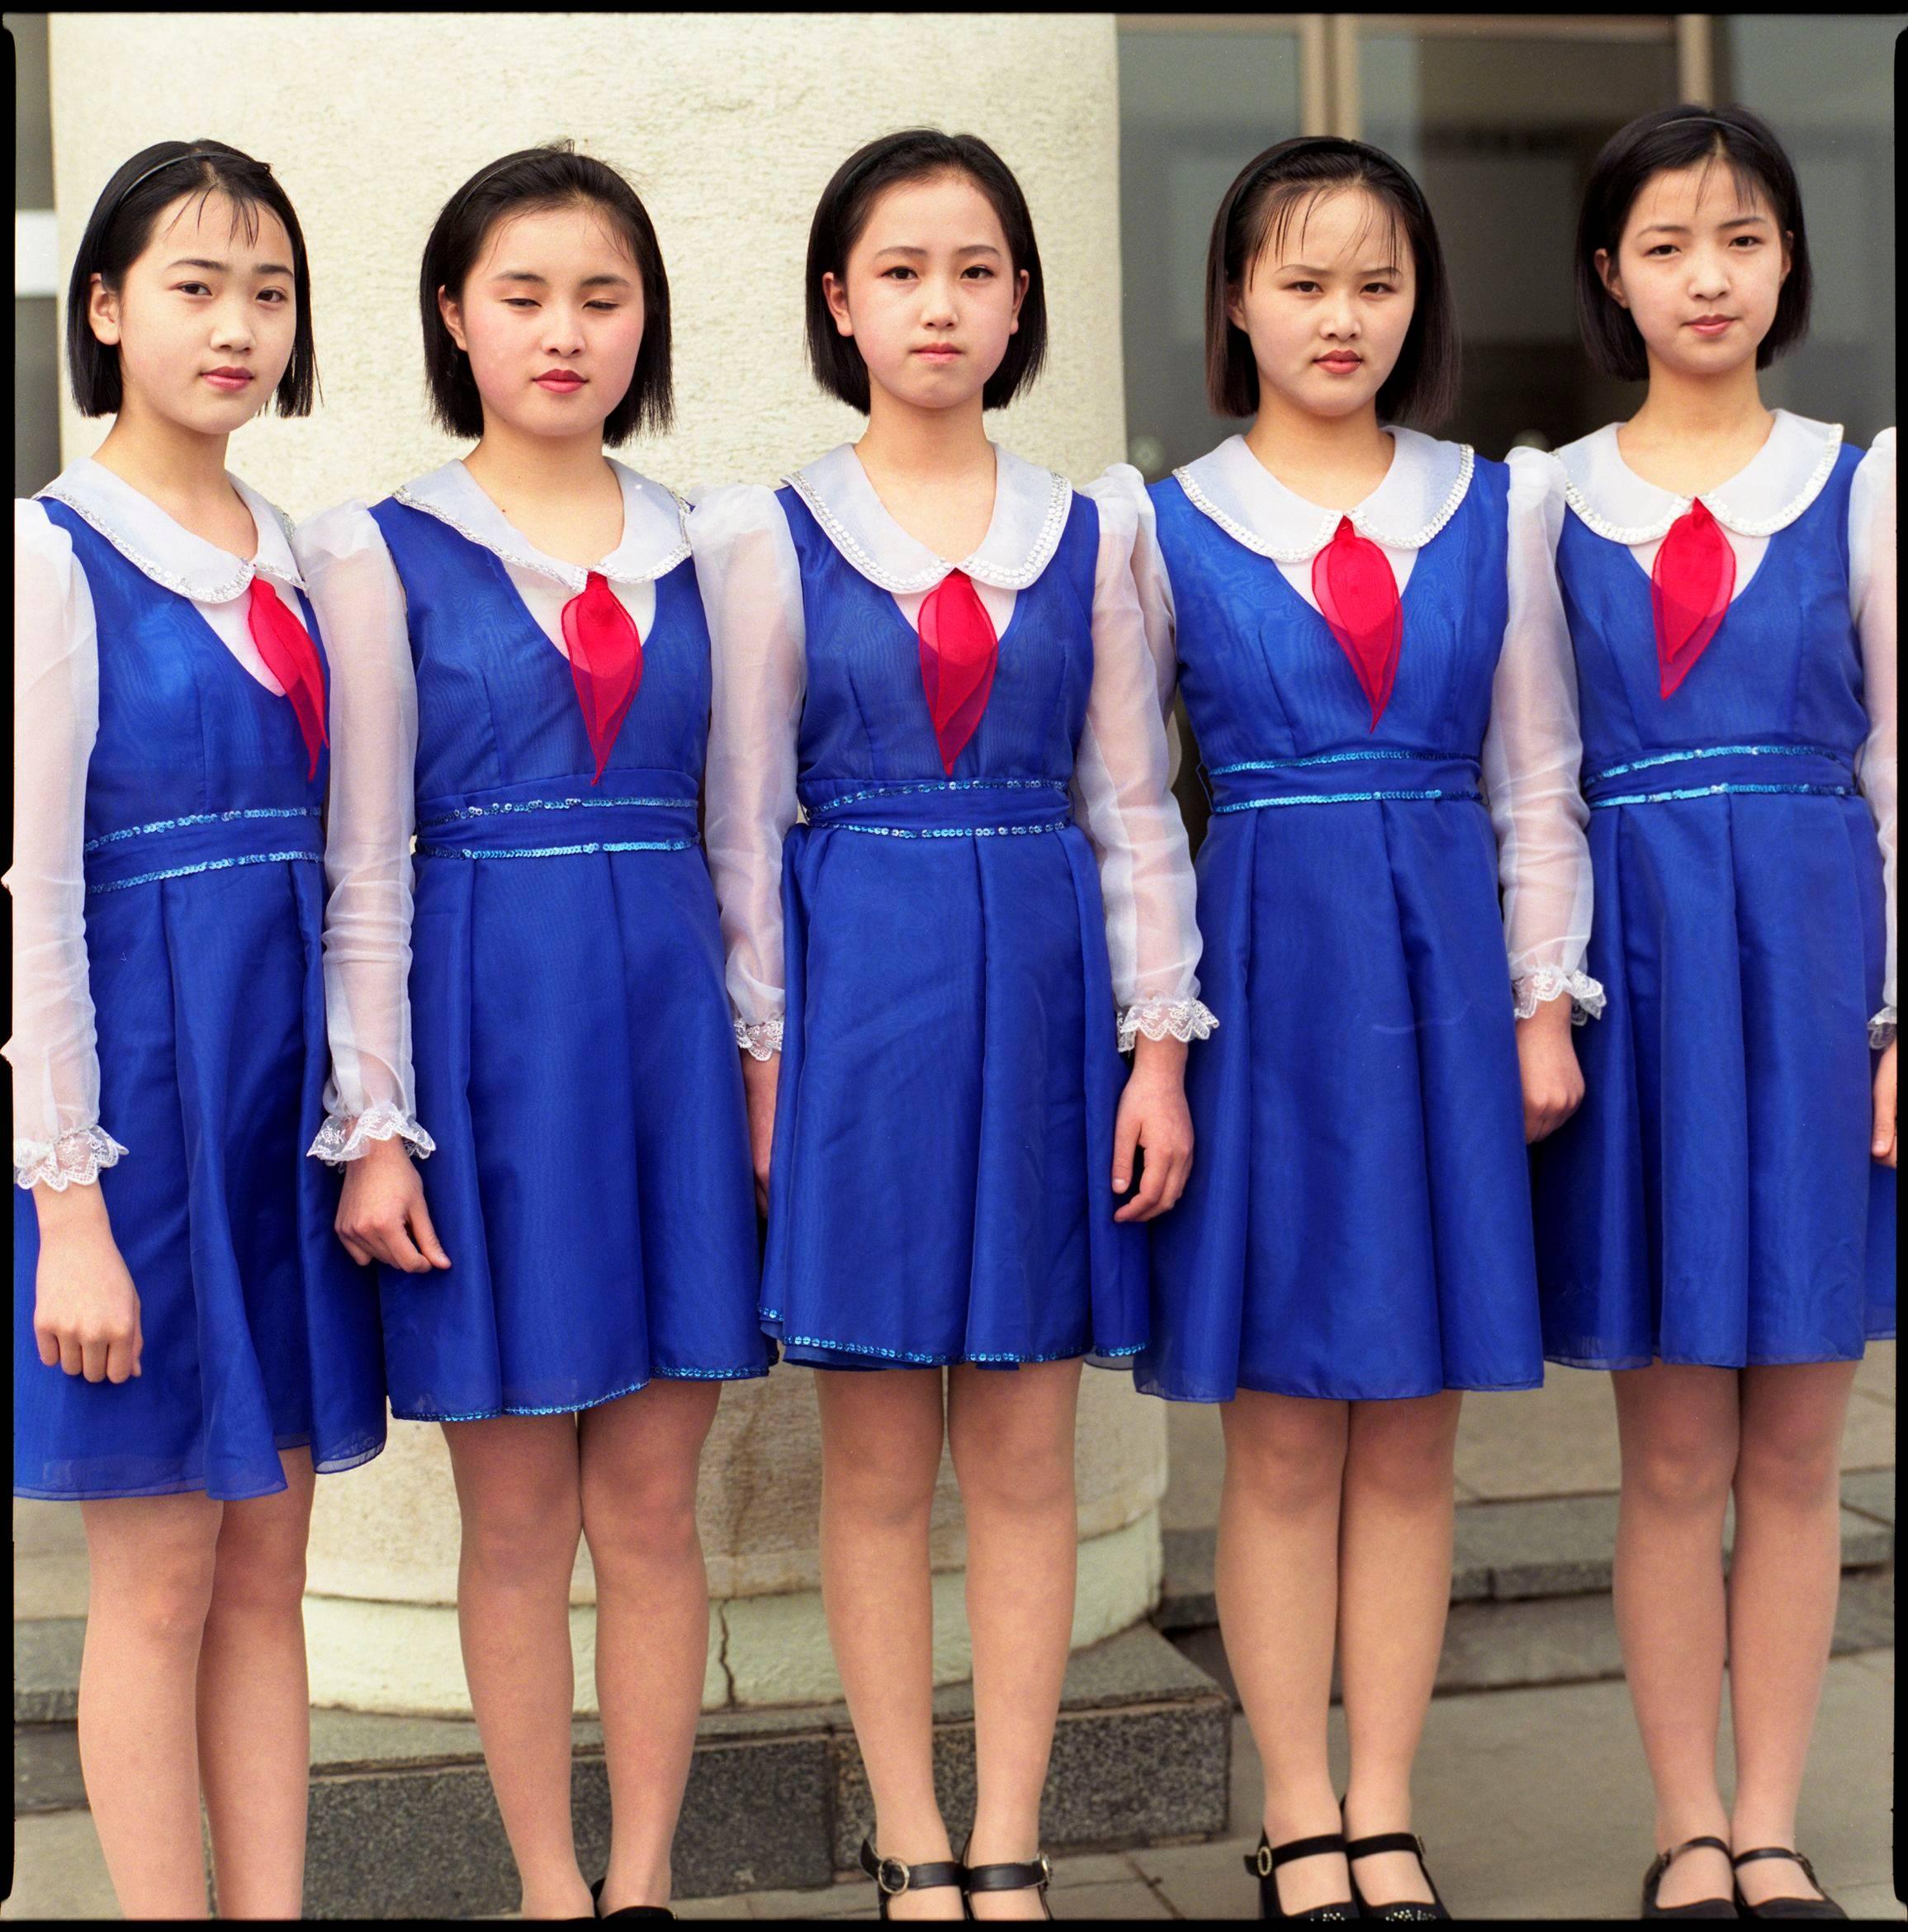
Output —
(934, 974)
(523, 682)
(189, 1343)
(1388, 739)
(1717, 1225)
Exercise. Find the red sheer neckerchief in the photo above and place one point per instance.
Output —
(1357, 596)
(959, 653)
(1691, 583)
(605, 662)
(287, 651)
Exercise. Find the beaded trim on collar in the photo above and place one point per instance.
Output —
(901, 584)
(1329, 520)
(1717, 503)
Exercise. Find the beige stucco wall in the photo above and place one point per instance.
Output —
(729, 125)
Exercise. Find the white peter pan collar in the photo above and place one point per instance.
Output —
(1768, 493)
(165, 551)
(1030, 507)
(653, 540)
(1418, 496)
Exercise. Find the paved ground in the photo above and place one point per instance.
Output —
(1532, 1800)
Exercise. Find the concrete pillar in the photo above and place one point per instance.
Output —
(729, 126)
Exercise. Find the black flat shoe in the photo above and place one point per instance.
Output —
(1264, 1864)
(1824, 1908)
(891, 1876)
(1402, 1908)
(1697, 1908)
(627, 1911)
(1006, 1877)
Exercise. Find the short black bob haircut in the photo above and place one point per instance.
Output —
(120, 230)
(1257, 209)
(919, 154)
(1670, 139)
(532, 179)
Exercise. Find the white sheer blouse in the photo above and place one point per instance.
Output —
(1777, 484)
(1531, 749)
(360, 601)
(746, 567)
(58, 1138)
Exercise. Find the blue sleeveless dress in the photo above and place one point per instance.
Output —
(950, 1072)
(1357, 1223)
(1714, 1200)
(205, 901)
(574, 1058)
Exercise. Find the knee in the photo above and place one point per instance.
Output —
(651, 1518)
(1022, 1478)
(1679, 1469)
(1291, 1472)
(522, 1537)
(167, 1603)
(1792, 1462)
(266, 1577)
(878, 1496)
(1405, 1468)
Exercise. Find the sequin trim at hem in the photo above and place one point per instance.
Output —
(74, 1160)
(121, 885)
(464, 812)
(1723, 791)
(939, 1361)
(1344, 798)
(1342, 758)
(941, 832)
(739, 1375)
(1611, 771)
(559, 851)
(166, 824)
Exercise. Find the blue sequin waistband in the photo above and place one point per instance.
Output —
(656, 812)
(201, 841)
(1378, 774)
(941, 809)
(1710, 771)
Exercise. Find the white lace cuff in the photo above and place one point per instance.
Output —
(1881, 1029)
(345, 1137)
(73, 1160)
(760, 1039)
(1550, 982)
(1157, 1019)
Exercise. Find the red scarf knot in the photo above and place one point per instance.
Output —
(286, 648)
(1691, 583)
(1357, 596)
(605, 662)
(959, 653)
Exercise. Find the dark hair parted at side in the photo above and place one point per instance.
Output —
(552, 176)
(1670, 139)
(118, 230)
(918, 154)
(1257, 209)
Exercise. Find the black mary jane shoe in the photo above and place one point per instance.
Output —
(626, 1912)
(1697, 1908)
(1006, 1877)
(1264, 1863)
(1401, 1908)
(891, 1876)
(1824, 1908)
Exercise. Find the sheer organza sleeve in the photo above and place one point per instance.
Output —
(1123, 791)
(360, 603)
(1872, 597)
(1533, 749)
(58, 1139)
(751, 590)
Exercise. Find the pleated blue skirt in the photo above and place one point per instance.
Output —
(1357, 1223)
(940, 1186)
(576, 1066)
(259, 1334)
(1714, 1200)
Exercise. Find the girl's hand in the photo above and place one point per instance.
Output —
(381, 1214)
(1882, 1146)
(758, 1079)
(1553, 1081)
(1152, 1115)
(86, 1311)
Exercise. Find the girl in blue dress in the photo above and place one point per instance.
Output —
(1717, 1224)
(189, 1343)
(1387, 740)
(523, 686)
(935, 972)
